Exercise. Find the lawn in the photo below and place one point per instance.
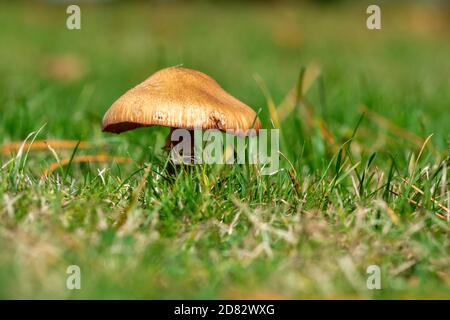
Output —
(364, 119)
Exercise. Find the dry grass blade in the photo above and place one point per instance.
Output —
(261, 226)
(447, 210)
(326, 134)
(391, 213)
(416, 203)
(293, 175)
(270, 103)
(124, 214)
(288, 103)
(312, 72)
(86, 158)
(7, 148)
(385, 123)
(423, 147)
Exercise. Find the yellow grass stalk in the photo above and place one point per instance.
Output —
(7, 148)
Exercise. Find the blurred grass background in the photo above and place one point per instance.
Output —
(401, 71)
(67, 79)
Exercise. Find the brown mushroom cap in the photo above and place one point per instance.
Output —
(180, 98)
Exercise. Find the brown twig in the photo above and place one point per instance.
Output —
(86, 158)
(7, 148)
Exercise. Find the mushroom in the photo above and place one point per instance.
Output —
(178, 97)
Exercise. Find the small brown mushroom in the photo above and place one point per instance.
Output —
(180, 98)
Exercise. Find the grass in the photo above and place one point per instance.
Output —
(364, 177)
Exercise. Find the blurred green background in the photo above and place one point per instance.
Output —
(400, 71)
(67, 79)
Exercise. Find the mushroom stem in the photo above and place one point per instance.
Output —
(168, 146)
